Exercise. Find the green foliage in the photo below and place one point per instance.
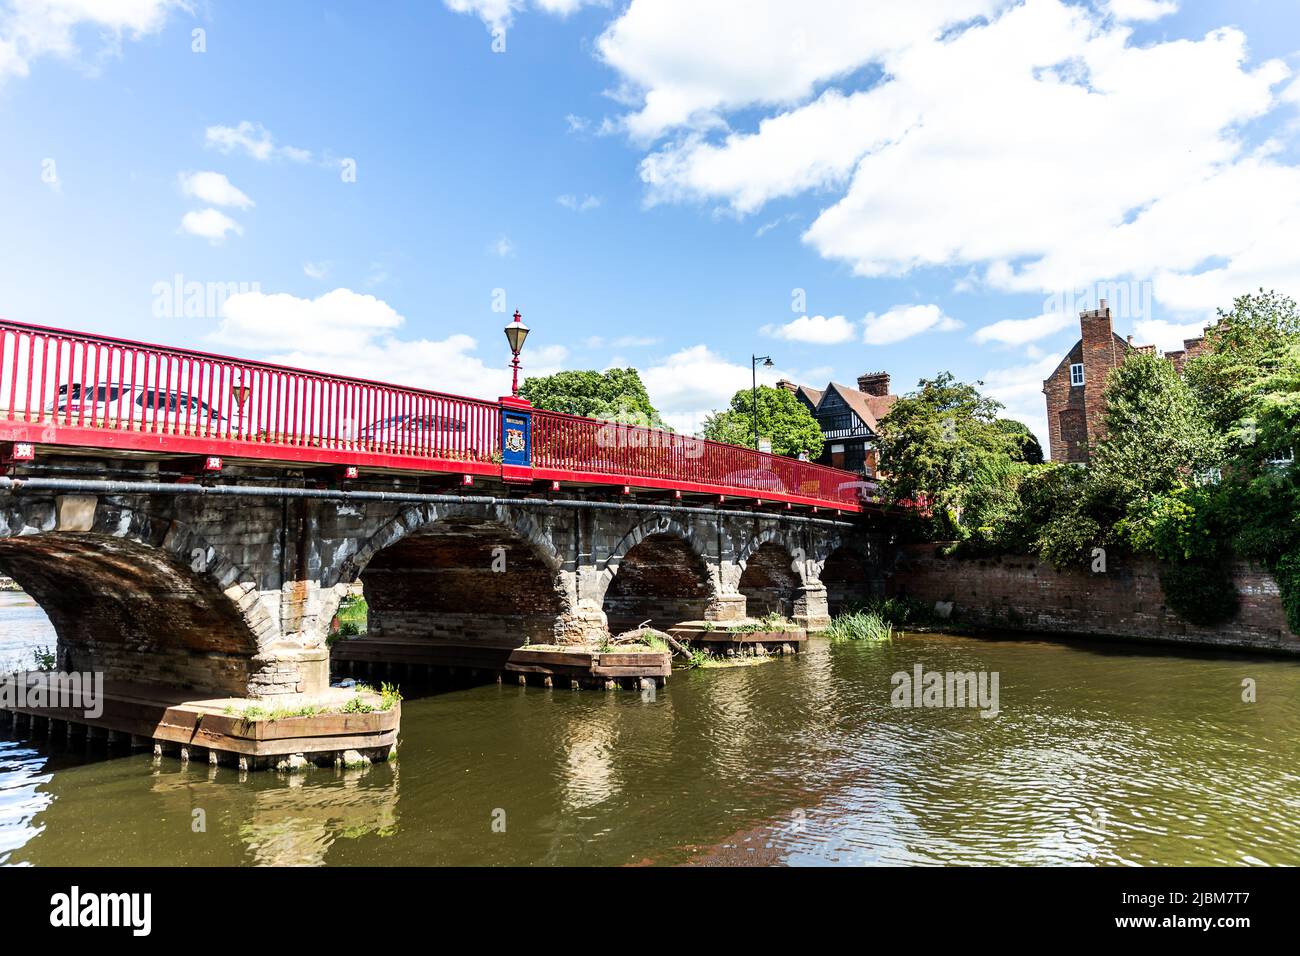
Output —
(1200, 592)
(44, 659)
(768, 622)
(614, 395)
(939, 443)
(1250, 355)
(860, 626)
(781, 417)
(1158, 434)
(1287, 573)
(897, 611)
(1184, 525)
(1027, 449)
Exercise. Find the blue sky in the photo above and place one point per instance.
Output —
(849, 187)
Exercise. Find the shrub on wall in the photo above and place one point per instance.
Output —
(1287, 574)
(1200, 593)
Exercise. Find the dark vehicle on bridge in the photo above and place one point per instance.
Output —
(135, 403)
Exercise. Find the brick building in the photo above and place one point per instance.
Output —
(1075, 390)
(849, 419)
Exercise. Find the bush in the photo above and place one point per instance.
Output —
(1200, 593)
(1287, 573)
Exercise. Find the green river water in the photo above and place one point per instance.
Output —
(1101, 754)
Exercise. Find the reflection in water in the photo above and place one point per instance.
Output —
(23, 628)
(1102, 754)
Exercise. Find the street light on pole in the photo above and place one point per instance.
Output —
(753, 368)
(516, 332)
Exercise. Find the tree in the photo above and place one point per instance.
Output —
(937, 441)
(1253, 342)
(1029, 450)
(1158, 434)
(781, 417)
(615, 395)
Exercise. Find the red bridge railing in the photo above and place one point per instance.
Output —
(76, 389)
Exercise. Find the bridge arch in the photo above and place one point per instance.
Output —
(849, 571)
(660, 571)
(461, 574)
(771, 574)
(141, 597)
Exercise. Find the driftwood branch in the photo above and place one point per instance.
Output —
(637, 636)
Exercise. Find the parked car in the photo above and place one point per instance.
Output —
(132, 403)
(422, 431)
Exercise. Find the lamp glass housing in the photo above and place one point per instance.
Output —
(516, 332)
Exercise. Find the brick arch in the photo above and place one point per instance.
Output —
(449, 545)
(137, 596)
(770, 536)
(422, 518)
(770, 580)
(846, 569)
(660, 569)
(660, 524)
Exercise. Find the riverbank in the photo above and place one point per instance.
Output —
(1124, 602)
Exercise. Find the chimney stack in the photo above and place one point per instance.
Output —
(788, 385)
(874, 383)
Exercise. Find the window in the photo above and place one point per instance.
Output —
(1076, 374)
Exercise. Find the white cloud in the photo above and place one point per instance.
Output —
(1038, 150)
(254, 140)
(500, 14)
(904, 321)
(1164, 335)
(684, 63)
(30, 29)
(503, 247)
(211, 224)
(689, 384)
(1023, 331)
(350, 333)
(214, 188)
(1020, 389)
(578, 203)
(315, 270)
(816, 329)
(1141, 9)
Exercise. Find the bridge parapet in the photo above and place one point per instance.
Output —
(67, 390)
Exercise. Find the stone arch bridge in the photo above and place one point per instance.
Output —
(231, 589)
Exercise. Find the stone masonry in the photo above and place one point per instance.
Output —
(235, 596)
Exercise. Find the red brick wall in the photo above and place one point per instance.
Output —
(1023, 594)
(1064, 406)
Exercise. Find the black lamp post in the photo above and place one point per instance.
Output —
(753, 368)
(516, 332)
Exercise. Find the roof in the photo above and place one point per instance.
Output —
(869, 408)
(814, 395)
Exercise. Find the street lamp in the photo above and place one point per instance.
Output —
(239, 392)
(516, 332)
(753, 368)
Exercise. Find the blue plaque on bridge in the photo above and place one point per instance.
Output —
(516, 437)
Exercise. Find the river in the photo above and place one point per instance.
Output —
(1101, 754)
